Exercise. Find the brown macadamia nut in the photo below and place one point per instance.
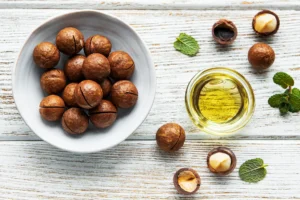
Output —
(261, 56)
(73, 68)
(75, 121)
(53, 81)
(224, 32)
(124, 94)
(106, 87)
(69, 41)
(97, 44)
(121, 64)
(46, 55)
(69, 95)
(104, 115)
(96, 67)
(170, 137)
(88, 94)
(52, 108)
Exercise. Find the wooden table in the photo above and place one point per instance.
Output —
(137, 169)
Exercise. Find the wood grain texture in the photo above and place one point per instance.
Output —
(139, 170)
(173, 69)
(154, 4)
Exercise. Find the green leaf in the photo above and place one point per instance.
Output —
(296, 92)
(285, 99)
(186, 44)
(295, 102)
(293, 110)
(284, 108)
(253, 171)
(287, 92)
(275, 100)
(283, 79)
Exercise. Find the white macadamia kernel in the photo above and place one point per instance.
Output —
(265, 23)
(220, 162)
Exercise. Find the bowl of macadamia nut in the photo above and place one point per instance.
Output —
(84, 81)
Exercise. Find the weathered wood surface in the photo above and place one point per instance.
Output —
(138, 170)
(173, 69)
(154, 4)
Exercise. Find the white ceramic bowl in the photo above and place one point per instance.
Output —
(28, 93)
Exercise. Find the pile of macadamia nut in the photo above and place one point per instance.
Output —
(92, 87)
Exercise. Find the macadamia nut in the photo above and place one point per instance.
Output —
(53, 81)
(52, 108)
(220, 161)
(75, 121)
(124, 94)
(70, 41)
(46, 55)
(88, 94)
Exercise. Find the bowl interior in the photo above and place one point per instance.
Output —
(28, 93)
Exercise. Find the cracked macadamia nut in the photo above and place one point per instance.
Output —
(53, 81)
(224, 32)
(170, 137)
(96, 67)
(221, 161)
(73, 68)
(97, 44)
(52, 108)
(69, 95)
(265, 23)
(69, 41)
(75, 121)
(187, 181)
(106, 87)
(46, 55)
(261, 56)
(124, 94)
(121, 64)
(88, 94)
(103, 115)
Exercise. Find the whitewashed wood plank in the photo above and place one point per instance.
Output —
(154, 4)
(173, 69)
(138, 170)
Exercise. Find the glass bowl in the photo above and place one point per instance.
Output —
(220, 101)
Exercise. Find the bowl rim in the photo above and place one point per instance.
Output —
(151, 94)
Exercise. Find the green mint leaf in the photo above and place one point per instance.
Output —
(275, 100)
(295, 102)
(296, 92)
(253, 171)
(287, 92)
(284, 108)
(186, 44)
(293, 110)
(283, 79)
(285, 99)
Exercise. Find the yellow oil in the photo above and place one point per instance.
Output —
(219, 99)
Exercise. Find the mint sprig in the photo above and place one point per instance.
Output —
(186, 44)
(253, 171)
(275, 100)
(290, 99)
(283, 79)
(296, 92)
